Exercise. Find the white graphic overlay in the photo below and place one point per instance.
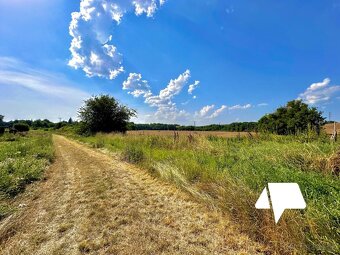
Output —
(282, 196)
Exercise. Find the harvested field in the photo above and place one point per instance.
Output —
(329, 128)
(186, 133)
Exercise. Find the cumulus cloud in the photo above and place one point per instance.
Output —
(91, 30)
(205, 110)
(193, 86)
(319, 92)
(163, 101)
(138, 86)
(319, 85)
(218, 111)
(175, 86)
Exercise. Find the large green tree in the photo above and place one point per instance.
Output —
(104, 114)
(295, 117)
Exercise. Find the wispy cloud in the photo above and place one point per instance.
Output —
(320, 92)
(91, 29)
(20, 76)
(239, 107)
(16, 73)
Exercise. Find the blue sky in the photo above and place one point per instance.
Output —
(240, 59)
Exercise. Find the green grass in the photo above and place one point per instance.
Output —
(23, 159)
(231, 173)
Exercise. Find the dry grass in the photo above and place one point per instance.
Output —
(95, 204)
(330, 127)
(187, 133)
(231, 173)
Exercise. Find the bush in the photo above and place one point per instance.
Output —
(294, 118)
(2, 130)
(104, 114)
(21, 127)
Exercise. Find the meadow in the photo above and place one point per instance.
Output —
(23, 159)
(187, 133)
(229, 174)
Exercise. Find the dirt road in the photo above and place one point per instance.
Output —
(93, 203)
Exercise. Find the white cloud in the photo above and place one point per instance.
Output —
(319, 92)
(138, 86)
(91, 29)
(16, 73)
(319, 85)
(262, 104)
(166, 108)
(145, 6)
(27, 92)
(239, 107)
(193, 86)
(218, 111)
(205, 110)
(175, 86)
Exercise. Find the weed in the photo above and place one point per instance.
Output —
(231, 174)
(133, 154)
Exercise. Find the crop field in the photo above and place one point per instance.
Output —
(23, 159)
(229, 175)
(186, 133)
(330, 127)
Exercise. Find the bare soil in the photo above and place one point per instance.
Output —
(93, 203)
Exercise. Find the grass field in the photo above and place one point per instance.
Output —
(229, 174)
(23, 159)
(194, 133)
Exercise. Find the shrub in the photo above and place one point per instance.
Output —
(2, 130)
(294, 118)
(104, 114)
(21, 127)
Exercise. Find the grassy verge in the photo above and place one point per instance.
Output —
(231, 173)
(23, 159)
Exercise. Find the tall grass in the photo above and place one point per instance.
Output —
(23, 159)
(231, 173)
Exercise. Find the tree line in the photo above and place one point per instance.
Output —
(232, 127)
(104, 113)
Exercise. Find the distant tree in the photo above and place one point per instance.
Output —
(2, 130)
(293, 118)
(104, 114)
(70, 121)
(21, 127)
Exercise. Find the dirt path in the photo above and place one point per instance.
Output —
(92, 203)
